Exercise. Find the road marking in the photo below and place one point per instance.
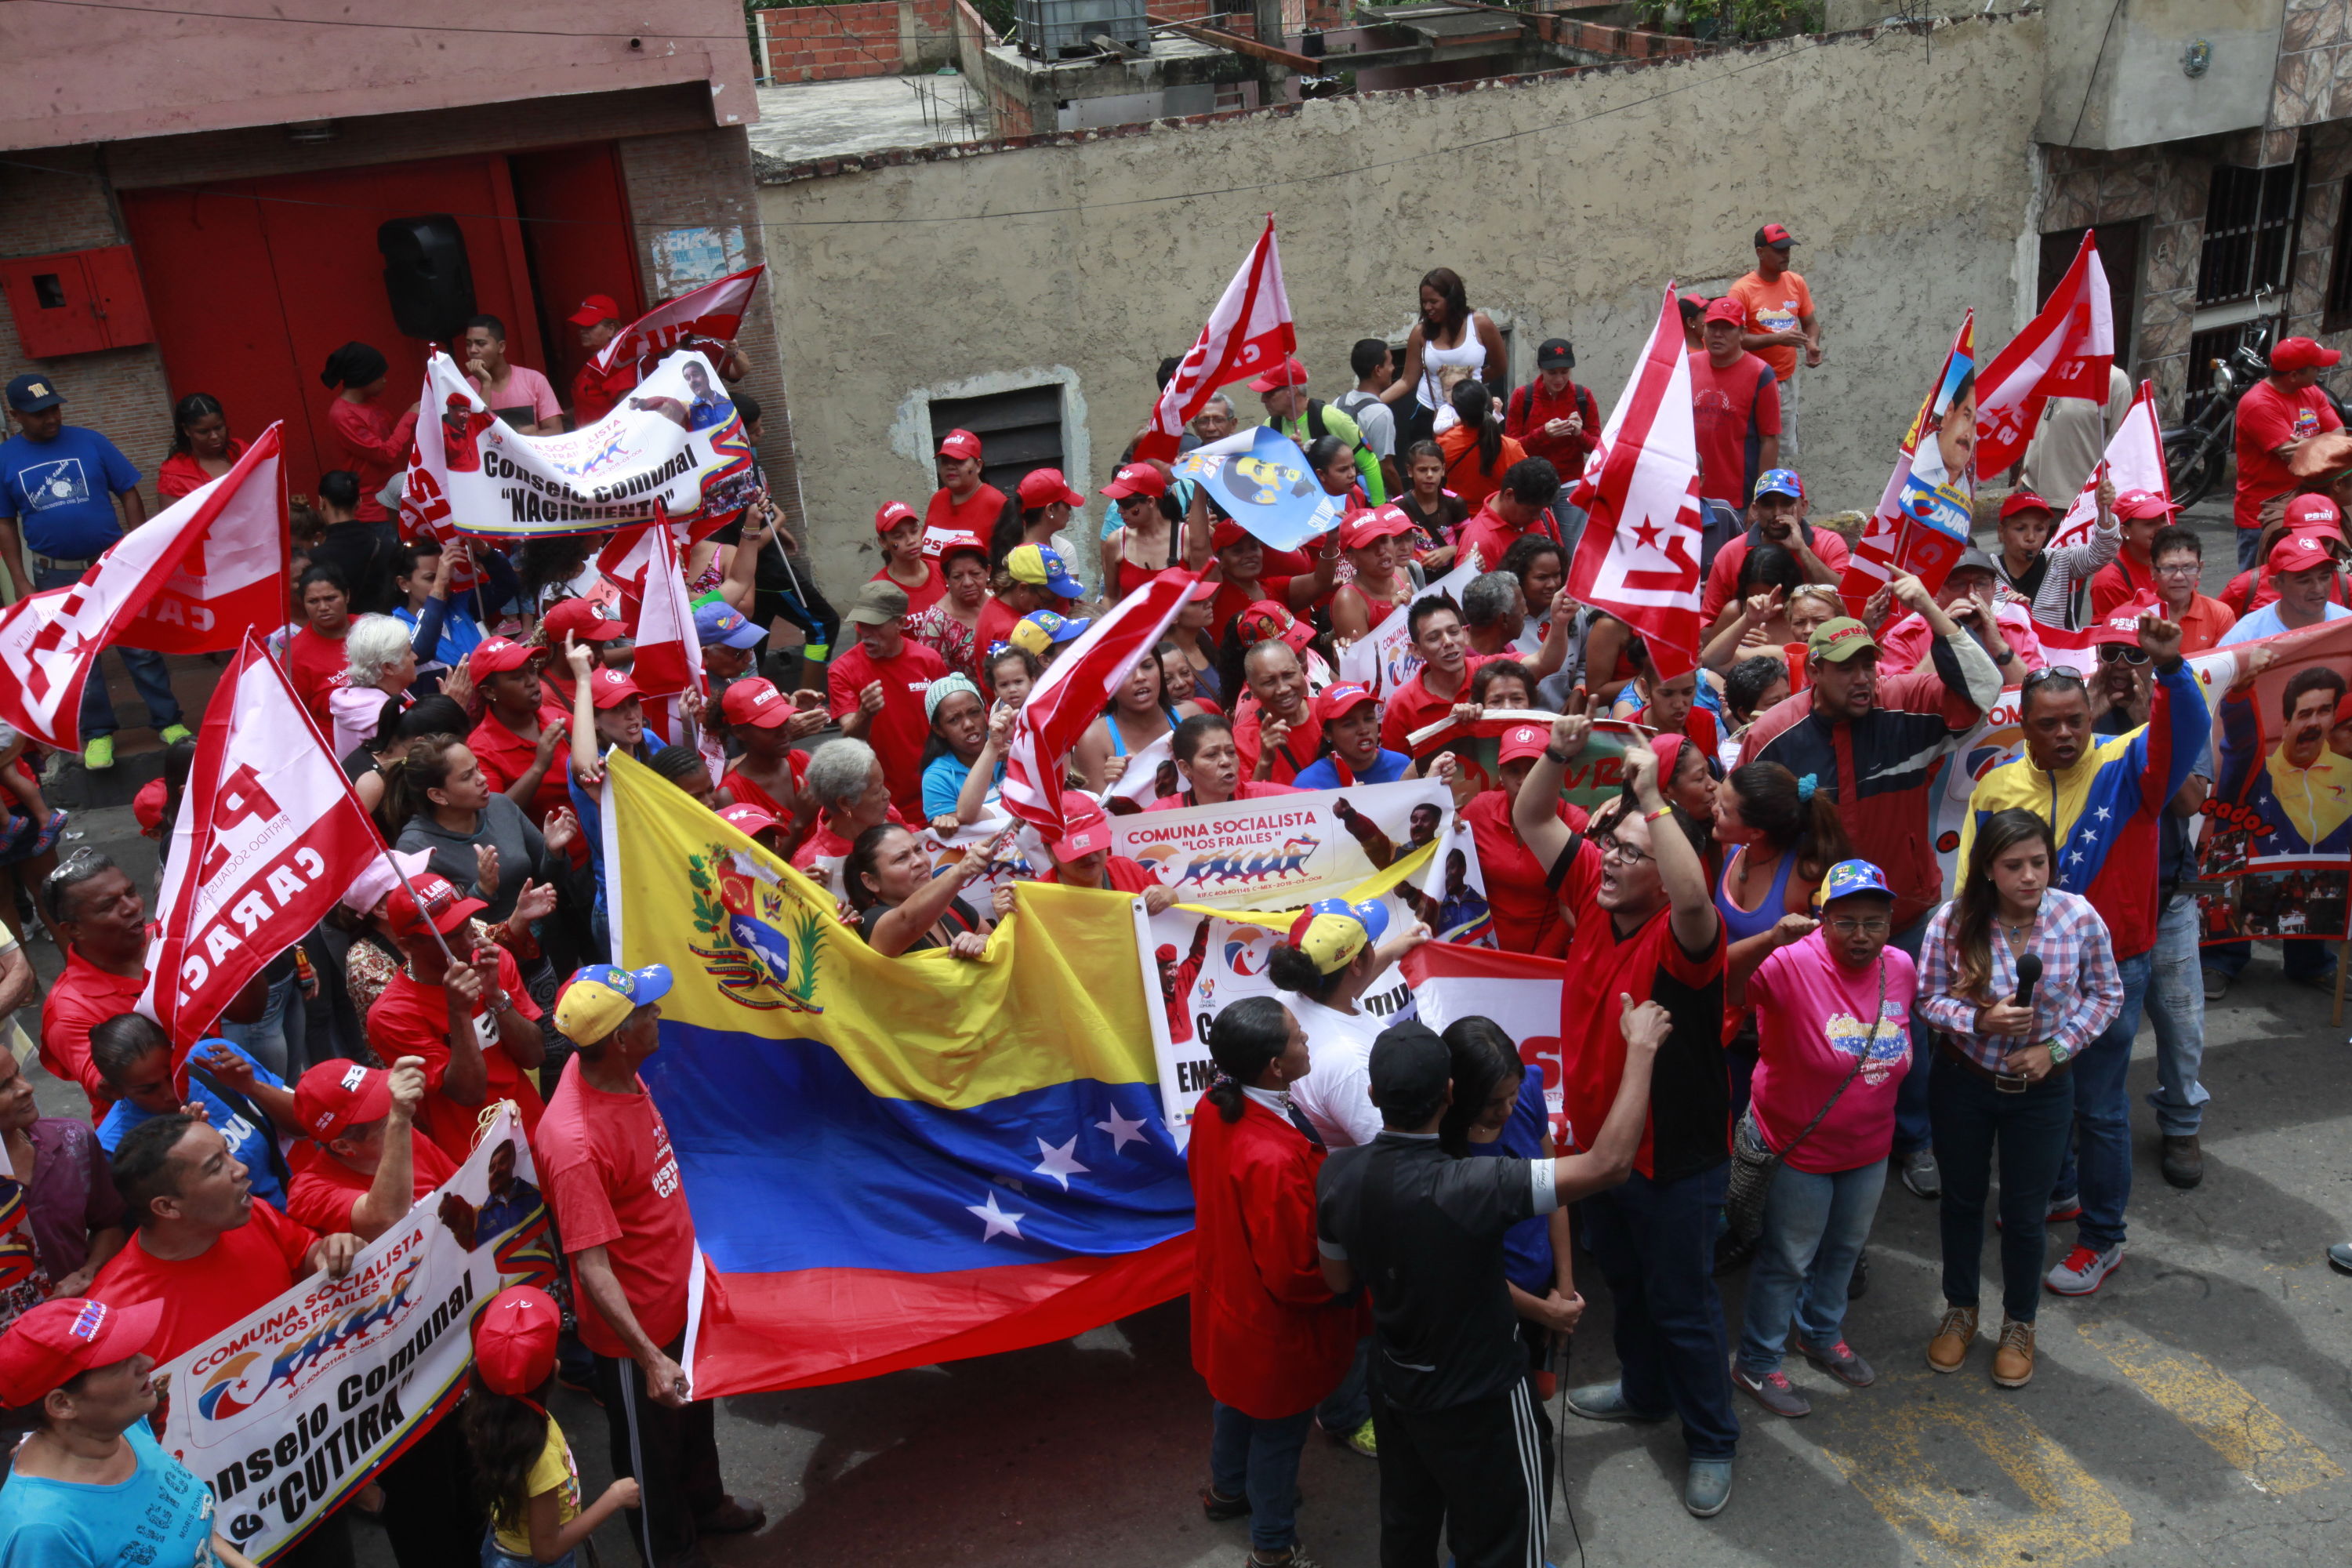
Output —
(2069, 1518)
(2271, 1454)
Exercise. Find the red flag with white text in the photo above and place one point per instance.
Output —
(715, 311)
(2133, 459)
(2064, 352)
(1070, 696)
(268, 835)
(1638, 558)
(1249, 331)
(194, 578)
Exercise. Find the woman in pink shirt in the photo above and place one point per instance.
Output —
(1833, 1006)
(374, 443)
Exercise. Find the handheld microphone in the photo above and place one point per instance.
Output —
(2029, 975)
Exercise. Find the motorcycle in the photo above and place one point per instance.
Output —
(2198, 455)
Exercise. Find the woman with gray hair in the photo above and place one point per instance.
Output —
(844, 781)
(378, 664)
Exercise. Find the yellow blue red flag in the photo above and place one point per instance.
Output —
(892, 1161)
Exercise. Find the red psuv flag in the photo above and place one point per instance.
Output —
(668, 655)
(1638, 558)
(268, 836)
(714, 311)
(2064, 352)
(1249, 329)
(194, 578)
(1069, 696)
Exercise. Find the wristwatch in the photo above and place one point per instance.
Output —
(1551, 755)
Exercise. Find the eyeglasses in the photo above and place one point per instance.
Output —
(1879, 927)
(2122, 653)
(2179, 569)
(1613, 848)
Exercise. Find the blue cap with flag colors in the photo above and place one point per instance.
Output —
(1331, 932)
(1848, 878)
(1042, 568)
(1041, 629)
(1780, 482)
(716, 623)
(601, 996)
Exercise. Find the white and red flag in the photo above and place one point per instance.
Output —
(1925, 515)
(2134, 460)
(194, 578)
(1638, 559)
(1249, 329)
(715, 311)
(2064, 352)
(668, 654)
(1070, 696)
(268, 835)
(453, 406)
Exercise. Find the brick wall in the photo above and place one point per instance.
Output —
(829, 43)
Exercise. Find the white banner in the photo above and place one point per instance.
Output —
(1382, 659)
(287, 1414)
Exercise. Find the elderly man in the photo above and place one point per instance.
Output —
(2003, 628)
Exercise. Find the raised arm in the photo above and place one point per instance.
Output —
(1534, 815)
(1680, 871)
(394, 1191)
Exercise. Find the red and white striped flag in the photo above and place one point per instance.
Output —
(1249, 329)
(193, 579)
(1071, 693)
(452, 406)
(1638, 558)
(2064, 352)
(668, 654)
(714, 310)
(269, 835)
(2134, 460)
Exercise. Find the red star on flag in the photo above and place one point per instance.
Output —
(1646, 535)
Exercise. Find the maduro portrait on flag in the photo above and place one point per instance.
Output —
(892, 1161)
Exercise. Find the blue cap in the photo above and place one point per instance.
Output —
(1848, 878)
(600, 998)
(31, 393)
(1331, 932)
(1780, 482)
(1042, 567)
(716, 624)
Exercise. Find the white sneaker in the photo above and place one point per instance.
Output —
(2085, 1270)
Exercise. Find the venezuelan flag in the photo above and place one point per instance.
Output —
(892, 1161)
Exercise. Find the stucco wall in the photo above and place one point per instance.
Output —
(1565, 201)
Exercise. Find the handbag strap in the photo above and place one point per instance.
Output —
(1876, 1018)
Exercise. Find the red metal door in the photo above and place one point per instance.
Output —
(576, 229)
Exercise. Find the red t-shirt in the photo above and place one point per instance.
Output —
(1411, 707)
(1124, 875)
(594, 395)
(243, 1271)
(1732, 410)
(505, 756)
(412, 1020)
(1231, 600)
(745, 793)
(975, 515)
(1490, 536)
(995, 624)
(1527, 913)
(1297, 749)
(605, 1166)
(899, 731)
(315, 665)
(918, 599)
(2270, 417)
(374, 445)
(325, 1190)
(1723, 575)
(79, 1000)
(1247, 789)
(2120, 581)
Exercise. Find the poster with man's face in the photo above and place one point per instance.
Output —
(2278, 827)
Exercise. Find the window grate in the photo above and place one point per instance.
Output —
(1019, 430)
(2249, 223)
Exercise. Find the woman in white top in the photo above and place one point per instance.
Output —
(1449, 333)
(1333, 952)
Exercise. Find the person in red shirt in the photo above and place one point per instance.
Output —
(1646, 927)
(1035, 578)
(589, 622)
(315, 661)
(2274, 418)
(374, 445)
(2130, 577)
(876, 691)
(1211, 767)
(1551, 416)
(1518, 506)
(611, 1181)
(1736, 407)
(904, 561)
(469, 1021)
(202, 447)
(1521, 891)
(849, 793)
(1777, 516)
(521, 735)
(595, 393)
(1242, 561)
(1443, 679)
(1081, 856)
(963, 503)
(1274, 724)
(2252, 589)
(360, 1166)
(771, 770)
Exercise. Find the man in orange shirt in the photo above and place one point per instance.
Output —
(1781, 322)
(2179, 558)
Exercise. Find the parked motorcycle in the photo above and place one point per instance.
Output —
(2197, 455)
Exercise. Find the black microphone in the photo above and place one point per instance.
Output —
(2029, 975)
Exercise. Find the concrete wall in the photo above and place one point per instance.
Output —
(2116, 76)
(1907, 178)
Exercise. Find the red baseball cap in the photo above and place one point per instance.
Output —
(1289, 372)
(1205, 588)
(1228, 533)
(492, 655)
(2024, 500)
(1266, 620)
(748, 820)
(1366, 527)
(1523, 741)
(754, 700)
(584, 620)
(334, 1097)
(147, 806)
(952, 542)
(1136, 479)
(1692, 303)
(434, 902)
(2301, 353)
(2343, 708)
(59, 1340)
(1044, 487)
(514, 1340)
(2299, 551)
(1775, 235)
(595, 308)
(1726, 309)
(959, 444)
(890, 514)
(1084, 829)
(2143, 503)
(2122, 627)
(611, 688)
(2313, 513)
(1346, 697)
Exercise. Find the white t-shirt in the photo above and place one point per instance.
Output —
(1337, 1092)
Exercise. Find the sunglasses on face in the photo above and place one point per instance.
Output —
(2062, 672)
(2121, 653)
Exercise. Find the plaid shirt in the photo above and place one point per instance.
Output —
(2079, 994)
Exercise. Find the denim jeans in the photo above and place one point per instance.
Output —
(1655, 1244)
(1259, 1460)
(1913, 1127)
(147, 673)
(2301, 958)
(1349, 1405)
(2249, 540)
(265, 1040)
(2102, 1142)
(1971, 1116)
(493, 1557)
(1815, 1225)
(2176, 1008)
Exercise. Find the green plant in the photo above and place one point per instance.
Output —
(1737, 19)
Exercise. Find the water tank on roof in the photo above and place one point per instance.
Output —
(1049, 29)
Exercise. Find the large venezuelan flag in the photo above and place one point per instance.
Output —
(892, 1161)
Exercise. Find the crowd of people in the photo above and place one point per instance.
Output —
(1773, 1001)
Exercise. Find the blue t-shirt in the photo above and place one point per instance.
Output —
(62, 492)
(245, 1140)
(943, 778)
(161, 1516)
(1323, 773)
(2263, 623)
(1527, 1245)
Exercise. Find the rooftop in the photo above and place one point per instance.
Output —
(864, 114)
